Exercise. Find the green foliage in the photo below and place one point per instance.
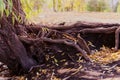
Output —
(118, 8)
(2, 8)
(79, 5)
(97, 5)
(59, 5)
(5, 8)
(8, 9)
(32, 7)
(67, 5)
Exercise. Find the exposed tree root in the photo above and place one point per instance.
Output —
(80, 25)
(33, 39)
(71, 36)
(57, 41)
(117, 32)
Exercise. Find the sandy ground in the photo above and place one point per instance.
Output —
(51, 18)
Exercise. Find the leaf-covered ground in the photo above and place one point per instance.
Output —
(105, 65)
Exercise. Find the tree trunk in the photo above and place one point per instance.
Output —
(12, 51)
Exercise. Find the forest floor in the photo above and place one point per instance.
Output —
(105, 65)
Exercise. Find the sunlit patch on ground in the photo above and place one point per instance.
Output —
(105, 56)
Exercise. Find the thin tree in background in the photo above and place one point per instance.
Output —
(54, 5)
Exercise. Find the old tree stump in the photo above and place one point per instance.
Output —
(24, 46)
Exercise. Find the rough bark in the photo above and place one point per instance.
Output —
(12, 50)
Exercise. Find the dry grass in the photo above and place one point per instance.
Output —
(106, 56)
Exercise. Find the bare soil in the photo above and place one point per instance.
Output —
(54, 18)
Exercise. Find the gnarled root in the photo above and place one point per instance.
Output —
(117, 38)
